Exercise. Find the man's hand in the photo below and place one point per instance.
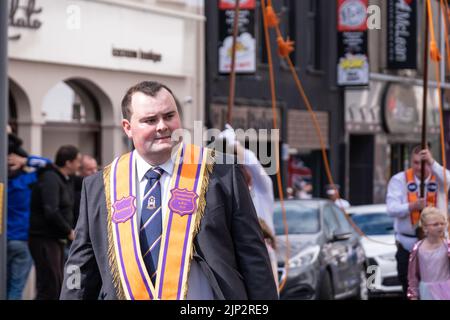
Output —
(71, 235)
(417, 205)
(426, 156)
(16, 162)
(229, 135)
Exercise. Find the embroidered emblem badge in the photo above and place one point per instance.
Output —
(123, 209)
(183, 201)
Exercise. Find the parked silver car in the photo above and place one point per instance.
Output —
(326, 259)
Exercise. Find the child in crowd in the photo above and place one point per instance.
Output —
(429, 267)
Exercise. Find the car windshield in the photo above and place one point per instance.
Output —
(301, 218)
(374, 223)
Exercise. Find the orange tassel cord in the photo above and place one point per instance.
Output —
(285, 47)
(434, 52)
(271, 17)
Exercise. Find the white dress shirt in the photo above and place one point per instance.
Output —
(398, 205)
(261, 190)
(198, 285)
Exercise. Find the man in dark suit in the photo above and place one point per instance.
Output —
(222, 253)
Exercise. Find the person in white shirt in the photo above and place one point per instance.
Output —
(403, 201)
(261, 191)
(305, 190)
(332, 193)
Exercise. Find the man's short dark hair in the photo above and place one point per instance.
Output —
(15, 145)
(417, 148)
(149, 88)
(66, 153)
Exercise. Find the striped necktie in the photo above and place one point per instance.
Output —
(151, 221)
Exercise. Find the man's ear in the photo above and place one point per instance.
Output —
(127, 128)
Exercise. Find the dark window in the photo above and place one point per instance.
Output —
(290, 25)
(262, 37)
(313, 34)
(288, 28)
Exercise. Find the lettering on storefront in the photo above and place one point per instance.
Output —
(23, 15)
(137, 54)
(401, 34)
(401, 31)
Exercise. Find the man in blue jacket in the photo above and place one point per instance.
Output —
(19, 195)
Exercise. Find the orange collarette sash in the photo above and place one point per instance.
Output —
(186, 205)
(413, 194)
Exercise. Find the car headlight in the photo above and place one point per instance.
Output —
(305, 257)
(388, 256)
(361, 256)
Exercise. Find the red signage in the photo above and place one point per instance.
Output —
(231, 4)
(352, 15)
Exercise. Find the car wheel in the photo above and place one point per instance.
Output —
(363, 293)
(326, 291)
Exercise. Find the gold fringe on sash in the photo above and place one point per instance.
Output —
(210, 161)
(111, 250)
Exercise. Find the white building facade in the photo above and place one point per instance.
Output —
(70, 63)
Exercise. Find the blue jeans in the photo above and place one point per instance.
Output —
(18, 268)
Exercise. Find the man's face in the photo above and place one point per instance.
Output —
(152, 122)
(332, 194)
(416, 166)
(74, 165)
(89, 167)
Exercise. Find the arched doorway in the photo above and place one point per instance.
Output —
(72, 113)
(19, 111)
(12, 119)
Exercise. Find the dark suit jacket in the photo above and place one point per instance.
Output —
(78, 185)
(51, 205)
(229, 245)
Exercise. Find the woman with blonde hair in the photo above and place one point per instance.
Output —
(429, 261)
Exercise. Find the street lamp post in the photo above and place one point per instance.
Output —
(3, 141)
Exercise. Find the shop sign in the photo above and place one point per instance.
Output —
(245, 58)
(352, 64)
(23, 14)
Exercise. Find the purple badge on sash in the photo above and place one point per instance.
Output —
(124, 209)
(183, 201)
